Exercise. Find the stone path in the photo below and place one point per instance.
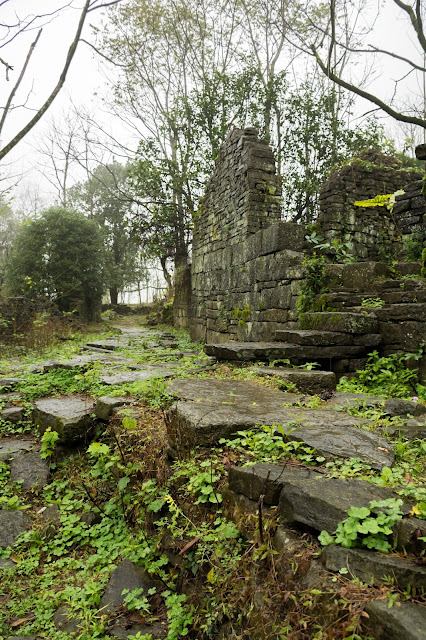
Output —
(208, 409)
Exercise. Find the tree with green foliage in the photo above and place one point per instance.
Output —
(313, 139)
(106, 199)
(60, 256)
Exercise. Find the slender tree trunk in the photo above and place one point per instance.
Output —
(113, 294)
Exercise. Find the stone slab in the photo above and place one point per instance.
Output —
(315, 338)
(127, 575)
(12, 414)
(322, 502)
(105, 405)
(366, 565)
(12, 524)
(10, 446)
(412, 429)
(70, 416)
(310, 382)
(331, 433)
(229, 392)
(30, 468)
(345, 322)
(10, 383)
(402, 621)
(269, 351)
(148, 373)
(157, 630)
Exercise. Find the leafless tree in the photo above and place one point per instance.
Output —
(15, 30)
(332, 40)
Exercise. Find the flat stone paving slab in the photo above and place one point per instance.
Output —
(310, 382)
(237, 405)
(402, 621)
(163, 370)
(12, 414)
(30, 468)
(230, 392)
(365, 564)
(10, 446)
(70, 416)
(306, 496)
(12, 524)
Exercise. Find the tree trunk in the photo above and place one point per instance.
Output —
(113, 294)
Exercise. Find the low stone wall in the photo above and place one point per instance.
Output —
(369, 233)
(409, 211)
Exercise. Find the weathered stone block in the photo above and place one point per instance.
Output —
(345, 322)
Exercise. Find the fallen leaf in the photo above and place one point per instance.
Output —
(17, 623)
(189, 545)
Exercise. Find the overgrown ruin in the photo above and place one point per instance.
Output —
(249, 267)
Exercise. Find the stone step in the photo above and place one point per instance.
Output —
(347, 300)
(69, 416)
(310, 382)
(270, 351)
(339, 321)
(405, 621)
(306, 497)
(327, 338)
(367, 565)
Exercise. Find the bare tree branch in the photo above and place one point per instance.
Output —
(368, 96)
(18, 82)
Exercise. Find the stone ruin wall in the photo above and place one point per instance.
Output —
(247, 265)
(245, 262)
(374, 233)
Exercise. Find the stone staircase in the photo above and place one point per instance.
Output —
(340, 338)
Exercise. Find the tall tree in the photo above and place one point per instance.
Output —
(105, 199)
(60, 256)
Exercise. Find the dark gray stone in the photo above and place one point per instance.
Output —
(8, 447)
(366, 565)
(30, 468)
(322, 503)
(12, 524)
(66, 620)
(10, 383)
(413, 428)
(310, 382)
(147, 373)
(269, 351)
(402, 621)
(51, 514)
(127, 575)
(398, 407)
(330, 432)
(70, 416)
(6, 564)
(12, 414)
(316, 338)
(345, 322)
(106, 404)
(237, 393)
(264, 479)
(407, 533)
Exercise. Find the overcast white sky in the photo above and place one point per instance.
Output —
(85, 80)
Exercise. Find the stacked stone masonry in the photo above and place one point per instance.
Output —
(248, 266)
(372, 233)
